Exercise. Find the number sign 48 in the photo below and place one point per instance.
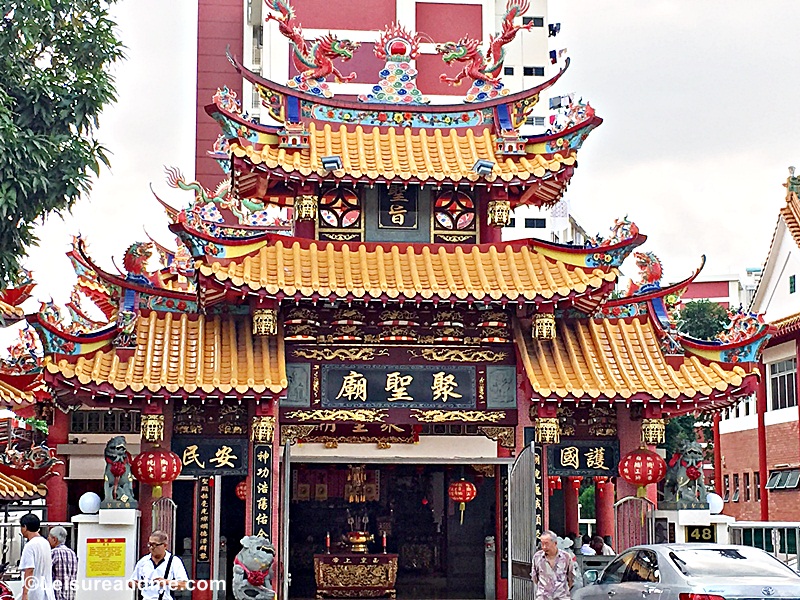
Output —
(701, 534)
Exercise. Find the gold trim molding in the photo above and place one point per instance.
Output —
(466, 416)
(262, 430)
(362, 415)
(459, 355)
(503, 435)
(340, 353)
(292, 433)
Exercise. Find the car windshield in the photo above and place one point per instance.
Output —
(728, 562)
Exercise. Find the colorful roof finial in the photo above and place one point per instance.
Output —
(398, 48)
(650, 272)
(315, 62)
(484, 71)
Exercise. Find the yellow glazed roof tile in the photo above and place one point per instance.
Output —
(11, 395)
(424, 156)
(619, 358)
(16, 488)
(325, 268)
(177, 354)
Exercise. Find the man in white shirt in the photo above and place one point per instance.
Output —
(158, 573)
(35, 563)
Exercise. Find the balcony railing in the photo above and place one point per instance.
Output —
(781, 539)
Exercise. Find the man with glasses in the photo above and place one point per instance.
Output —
(158, 573)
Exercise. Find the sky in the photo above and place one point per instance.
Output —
(698, 97)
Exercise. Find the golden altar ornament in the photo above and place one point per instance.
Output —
(358, 540)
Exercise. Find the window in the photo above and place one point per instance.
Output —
(757, 485)
(726, 488)
(508, 70)
(512, 222)
(791, 284)
(537, 121)
(535, 223)
(533, 71)
(616, 570)
(735, 487)
(537, 21)
(783, 480)
(644, 568)
(747, 487)
(111, 421)
(783, 388)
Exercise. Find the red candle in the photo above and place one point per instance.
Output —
(328, 542)
(383, 537)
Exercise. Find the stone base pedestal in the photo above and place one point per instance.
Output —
(691, 526)
(108, 548)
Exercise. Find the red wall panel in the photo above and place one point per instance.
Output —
(430, 67)
(707, 289)
(364, 63)
(324, 14)
(449, 22)
(220, 23)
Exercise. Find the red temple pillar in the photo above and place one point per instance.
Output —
(717, 456)
(571, 492)
(630, 438)
(761, 409)
(56, 499)
(604, 506)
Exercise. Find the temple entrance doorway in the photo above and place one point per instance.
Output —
(410, 526)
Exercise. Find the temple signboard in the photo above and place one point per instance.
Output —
(211, 456)
(398, 386)
(397, 207)
(586, 458)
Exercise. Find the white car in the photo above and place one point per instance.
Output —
(692, 572)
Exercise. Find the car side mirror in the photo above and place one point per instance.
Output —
(591, 576)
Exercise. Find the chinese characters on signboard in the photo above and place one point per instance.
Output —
(582, 457)
(262, 488)
(105, 557)
(397, 207)
(211, 456)
(408, 386)
(203, 526)
(538, 491)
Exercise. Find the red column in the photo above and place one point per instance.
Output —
(571, 491)
(56, 499)
(761, 409)
(604, 506)
(717, 456)
(630, 438)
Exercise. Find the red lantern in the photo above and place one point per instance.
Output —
(575, 482)
(462, 492)
(553, 483)
(241, 490)
(642, 467)
(156, 467)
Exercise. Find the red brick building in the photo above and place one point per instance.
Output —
(758, 452)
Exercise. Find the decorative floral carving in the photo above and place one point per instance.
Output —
(468, 416)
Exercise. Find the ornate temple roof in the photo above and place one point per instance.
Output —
(19, 390)
(521, 271)
(180, 354)
(623, 359)
(15, 488)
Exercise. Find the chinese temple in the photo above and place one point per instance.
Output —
(348, 359)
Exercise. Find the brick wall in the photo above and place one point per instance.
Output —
(740, 455)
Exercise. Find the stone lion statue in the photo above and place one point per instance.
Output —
(118, 486)
(684, 483)
(252, 579)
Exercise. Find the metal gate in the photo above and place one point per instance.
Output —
(164, 520)
(521, 524)
(286, 488)
(635, 523)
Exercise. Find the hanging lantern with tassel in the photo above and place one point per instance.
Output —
(642, 467)
(156, 467)
(462, 492)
